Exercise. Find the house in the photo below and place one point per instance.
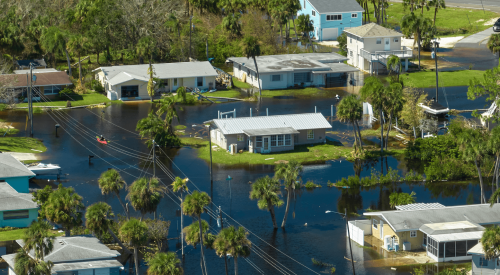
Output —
(369, 46)
(446, 233)
(16, 209)
(267, 134)
(25, 64)
(481, 265)
(49, 84)
(292, 70)
(131, 81)
(331, 18)
(15, 173)
(82, 255)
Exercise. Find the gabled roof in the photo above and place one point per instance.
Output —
(10, 199)
(373, 30)
(42, 79)
(476, 250)
(124, 77)
(11, 167)
(60, 267)
(335, 6)
(295, 121)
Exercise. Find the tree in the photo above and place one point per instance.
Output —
(491, 242)
(110, 181)
(267, 191)
(145, 194)
(24, 264)
(289, 173)
(412, 24)
(342, 40)
(350, 110)
(153, 127)
(231, 23)
(396, 199)
(306, 26)
(374, 91)
(234, 242)
(494, 147)
(97, 220)
(134, 232)
(251, 48)
(394, 65)
(423, 4)
(493, 43)
(394, 102)
(167, 107)
(64, 206)
(487, 87)
(164, 264)
(78, 44)
(53, 40)
(37, 237)
(174, 22)
(412, 113)
(437, 5)
(194, 205)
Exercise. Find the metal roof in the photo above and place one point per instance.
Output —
(270, 131)
(295, 121)
(477, 249)
(86, 265)
(10, 199)
(373, 30)
(458, 236)
(450, 227)
(337, 6)
(11, 167)
(337, 68)
(405, 220)
(124, 77)
(417, 206)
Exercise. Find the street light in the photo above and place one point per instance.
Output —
(348, 235)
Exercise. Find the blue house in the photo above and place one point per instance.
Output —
(332, 17)
(16, 209)
(15, 173)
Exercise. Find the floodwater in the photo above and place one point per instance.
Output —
(309, 233)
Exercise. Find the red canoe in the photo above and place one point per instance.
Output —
(101, 141)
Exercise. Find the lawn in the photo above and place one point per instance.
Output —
(17, 234)
(449, 21)
(304, 92)
(425, 79)
(76, 100)
(226, 93)
(21, 144)
(241, 85)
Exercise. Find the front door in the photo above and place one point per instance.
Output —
(175, 84)
(266, 143)
(387, 44)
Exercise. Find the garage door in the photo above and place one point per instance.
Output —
(102, 271)
(330, 34)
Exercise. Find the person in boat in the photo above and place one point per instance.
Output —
(102, 138)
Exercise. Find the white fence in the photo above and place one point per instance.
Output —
(358, 229)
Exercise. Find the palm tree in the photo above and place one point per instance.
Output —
(394, 64)
(306, 26)
(110, 181)
(437, 4)
(267, 191)
(145, 194)
(192, 233)
(415, 25)
(37, 237)
(289, 173)
(65, 207)
(146, 47)
(97, 220)
(194, 205)
(491, 242)
(77, 44)
(53, 40)
(251, 48)
(150, 127)
(164, 264)
(374, 91)
(396, 199)
(494, 147)
(423, 4)
(135, 232)
(174, 22)
(295, 7)
(167, 107)
(231, 23)
(24, 264)
(234, 242)
(394, 102)
(350, 110)
(493, 43)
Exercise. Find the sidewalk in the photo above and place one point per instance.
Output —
(477, 40)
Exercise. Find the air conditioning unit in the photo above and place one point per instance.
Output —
(406, 246)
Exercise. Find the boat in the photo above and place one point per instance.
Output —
(44, 169)
(101, 141)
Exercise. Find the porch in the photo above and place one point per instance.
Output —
(382, 56)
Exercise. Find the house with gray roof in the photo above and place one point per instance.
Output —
(15, 173)
(129, 82)
(446, 233)
(82, 255)
(331, 18)
(268, 134)
(480, 264)
(16, 209)
(293, 70)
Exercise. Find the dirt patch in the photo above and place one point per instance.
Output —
(281, 161)
(490, 22)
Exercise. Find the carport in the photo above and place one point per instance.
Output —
(338, 75)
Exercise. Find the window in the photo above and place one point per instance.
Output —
(387, 41)
(379, 40)
(334, 17)
(424, 242)
(288, 140)
(47, 90)
(354, 15)
(200, 81)
(273, 141)
(375, 223)
(301, 77)
(295, 138)
(313, 13)
(310, 134)
(483, 262)
(280, 140)
(276, 77)
(258, 142)
(396, 39)
(175, 81)
(12, 215)
(239, 66)
(350, 40)
(240, 138)
(413, 234)
(130, 91)
(461, 248)
(351, 53)
(441, 250)
(432, 247)
(450, 249)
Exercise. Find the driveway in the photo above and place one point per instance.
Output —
(477, 40)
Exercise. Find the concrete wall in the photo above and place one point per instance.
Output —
(370, 44)
(483, 270)
(33, 216)
(416, 242)
(20, 184)
(319, 137)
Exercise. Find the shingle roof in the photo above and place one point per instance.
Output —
(413, 219)
(295, 121)
(329, 6)
(11, 167)
(10, 199)
(77, 248)
(42, 79)
(373, 30)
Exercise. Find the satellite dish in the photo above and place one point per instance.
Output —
(34, 77)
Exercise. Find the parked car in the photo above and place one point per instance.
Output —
(496, 26)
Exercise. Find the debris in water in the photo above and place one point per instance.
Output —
(305, 224)
(393, 268)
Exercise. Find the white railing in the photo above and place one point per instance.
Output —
(405, 52)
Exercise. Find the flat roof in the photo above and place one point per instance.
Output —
(270, 131)
(458, 236)
(450, 227)
(337, 68)
(9, 258)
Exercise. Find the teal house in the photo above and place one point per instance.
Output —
(15, 173)
(16, 209)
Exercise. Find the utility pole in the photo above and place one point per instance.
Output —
(436, 46)
(30, 100)
(154, 169)
(182, 231)
(190, 29)
(210, 148)
(349, 236)
(222, 227)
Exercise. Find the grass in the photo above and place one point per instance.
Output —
(180, 127)
(425, 79)
(17, 234)
(21, 144)
(376, 133)
(449, 21)
(303, 92)
(11, 131)
(226, 93)
(79, 100)
(241, 85)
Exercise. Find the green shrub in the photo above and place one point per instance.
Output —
(330, 184)
(413, 176)
(332, 270)
(353, 181)
(448, 168)
(67, 91)
(3, 107)
(311, 185)
(428, 148)
(96, 86)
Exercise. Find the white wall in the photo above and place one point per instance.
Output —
(484, 270)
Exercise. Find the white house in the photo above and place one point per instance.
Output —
(130, 81)
(369, 46)
(481, 265)
(82, 255)
(292, 70)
